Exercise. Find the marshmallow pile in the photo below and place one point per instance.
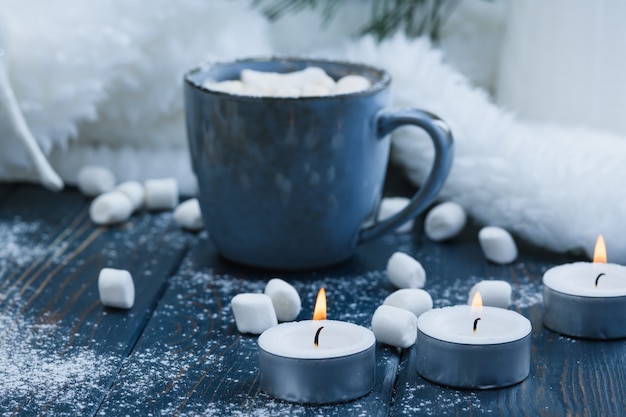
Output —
(255, 312)
(115, 203)
(309, 82)
(447, 220)
(395, 321)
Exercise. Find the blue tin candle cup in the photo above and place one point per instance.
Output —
(295, 183)
(494, 352)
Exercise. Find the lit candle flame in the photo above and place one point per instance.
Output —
(599, 253)
(477, 307)
(477, 303)
(319, 313)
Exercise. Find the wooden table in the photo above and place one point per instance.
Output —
(177, 351)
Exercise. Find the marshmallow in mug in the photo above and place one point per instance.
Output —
(405, 272)
(394, 326)
(494, 293)
(497, 244)
(309, 82)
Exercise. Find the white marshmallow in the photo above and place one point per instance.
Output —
(316, 75)
(94, 180)
(228, 86)
(394, 326)
(314, 90)
(351, 84)
(257, 91)
(161, 194)
(260, 80)
(286, 91)
(494, 293)
(392, 205)
(254, 313)
(188, 216)
(134, 191)
(405, 272)
(411, 299)
(116, 288)
(445, 221)
(497, 244)
(110, 208)
(289, 84)
(285, 299)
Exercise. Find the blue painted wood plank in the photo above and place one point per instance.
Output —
(63, 354)
(192, 361)
(60, 349)
(567, 376)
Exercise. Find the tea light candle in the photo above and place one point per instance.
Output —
(317, 361)
(469, 347)
(585, 299)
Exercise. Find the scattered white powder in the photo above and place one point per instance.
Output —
(16, 249)
(35, 370)
(447, 402)
(204, 347)
(527, 290)
(41, 372)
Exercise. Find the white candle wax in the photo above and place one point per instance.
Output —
(457, 350)
(341, 367)
(296, 339)
(574, 306)
(456, 325)
(579, 278)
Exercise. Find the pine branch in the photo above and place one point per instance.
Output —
(278, 8)
(414, 17)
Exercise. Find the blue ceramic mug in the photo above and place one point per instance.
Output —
(295, 183)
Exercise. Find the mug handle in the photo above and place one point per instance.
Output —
(388, 120)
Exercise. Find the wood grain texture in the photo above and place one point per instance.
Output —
(177, 352)
(50, 306)
(568, 377)
(192, 361)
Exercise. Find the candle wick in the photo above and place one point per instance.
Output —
(476, 324)
(598, 277)
(317, 337)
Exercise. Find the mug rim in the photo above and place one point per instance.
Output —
(380, 84)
